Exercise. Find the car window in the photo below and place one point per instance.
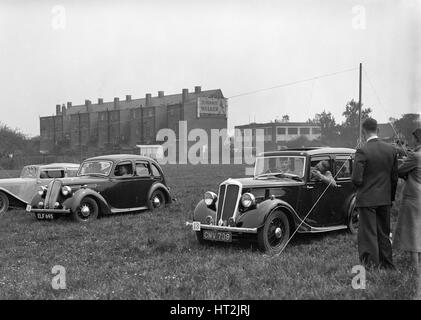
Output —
(71, 172)
(29, 172)
(142, 169)
(343, 167)
(123, 169)
(155, 171)
(51, 174)
(315, 162)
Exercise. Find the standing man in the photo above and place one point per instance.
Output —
(375, 176)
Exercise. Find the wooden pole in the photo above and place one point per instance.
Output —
(359, 106)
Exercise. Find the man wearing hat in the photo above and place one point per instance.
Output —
(375, 175)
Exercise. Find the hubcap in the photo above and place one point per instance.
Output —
(156, 202)
(278, 233)
(85, 210)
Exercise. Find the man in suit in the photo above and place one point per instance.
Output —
(375, 176)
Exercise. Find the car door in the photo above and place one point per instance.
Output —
(342, 172)
(317, 197)
(122, 193)
(144, 180)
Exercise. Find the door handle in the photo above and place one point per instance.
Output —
(310, 187)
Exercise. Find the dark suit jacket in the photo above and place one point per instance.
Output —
(375, 174)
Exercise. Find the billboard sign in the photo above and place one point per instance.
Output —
(208, 107)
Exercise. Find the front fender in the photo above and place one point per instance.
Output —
(255, 218)
(73, 202)
(202, 211)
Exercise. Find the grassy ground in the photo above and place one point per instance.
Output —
(154, 256)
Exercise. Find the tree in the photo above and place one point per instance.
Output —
(407, 124)
(328, 127)
(349, 129)
(285, 118)
(11, 141)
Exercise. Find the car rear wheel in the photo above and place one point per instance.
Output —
(157, 200)
(4, 202)
(87, 210)
(273, 236)
(353, 218)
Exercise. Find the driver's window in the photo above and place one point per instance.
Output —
(319, 166)
(123, 169)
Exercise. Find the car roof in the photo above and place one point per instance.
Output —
(119, 157)
(55, 165)
(308, 151)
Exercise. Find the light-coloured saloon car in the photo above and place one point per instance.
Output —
(18, 192)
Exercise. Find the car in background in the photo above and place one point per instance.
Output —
(283, 197)
(18, 192)
(104, 185)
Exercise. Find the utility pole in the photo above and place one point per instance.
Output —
(359, 106)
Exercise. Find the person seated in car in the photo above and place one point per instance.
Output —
(122, 171)
(321, 172)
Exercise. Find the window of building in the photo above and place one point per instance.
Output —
(292, 130)
(316, 130)
(280, 131)
(304, 130)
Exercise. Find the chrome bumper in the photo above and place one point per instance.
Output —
(195, 225)
(55, 211)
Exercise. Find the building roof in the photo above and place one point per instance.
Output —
(278, 124)
(155, 101)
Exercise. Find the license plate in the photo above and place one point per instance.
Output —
(28, 208)
(45, 216)
(196, 226)
(217, 235)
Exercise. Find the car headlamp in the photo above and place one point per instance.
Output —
(210, 198)
(42, 190)
(66, 190)
(248, 200)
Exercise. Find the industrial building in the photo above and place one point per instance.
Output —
(276, 134)
(120, 125)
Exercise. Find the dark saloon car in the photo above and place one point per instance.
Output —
(284, 195)
(104, 185)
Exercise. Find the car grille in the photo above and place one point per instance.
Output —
(53, 192)
(228, 201)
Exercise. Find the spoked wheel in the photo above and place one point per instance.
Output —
(157, 200)
(273, 236)
(353, 218)
(87, 210)
(4, 203)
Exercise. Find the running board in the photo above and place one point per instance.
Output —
(114, 210)
(323, 229)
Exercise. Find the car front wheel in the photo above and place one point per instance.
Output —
(4, 203)
(86, 211)
(274, 235)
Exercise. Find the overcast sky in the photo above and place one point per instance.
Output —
(107, 49)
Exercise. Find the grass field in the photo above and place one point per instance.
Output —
(154, 256)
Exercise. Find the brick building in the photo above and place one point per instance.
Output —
(123, 124)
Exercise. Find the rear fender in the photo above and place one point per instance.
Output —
(14, 201)
(163, 188)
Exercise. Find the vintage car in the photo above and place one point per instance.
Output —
(18, 192)
(104, 185)
(283, 196)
